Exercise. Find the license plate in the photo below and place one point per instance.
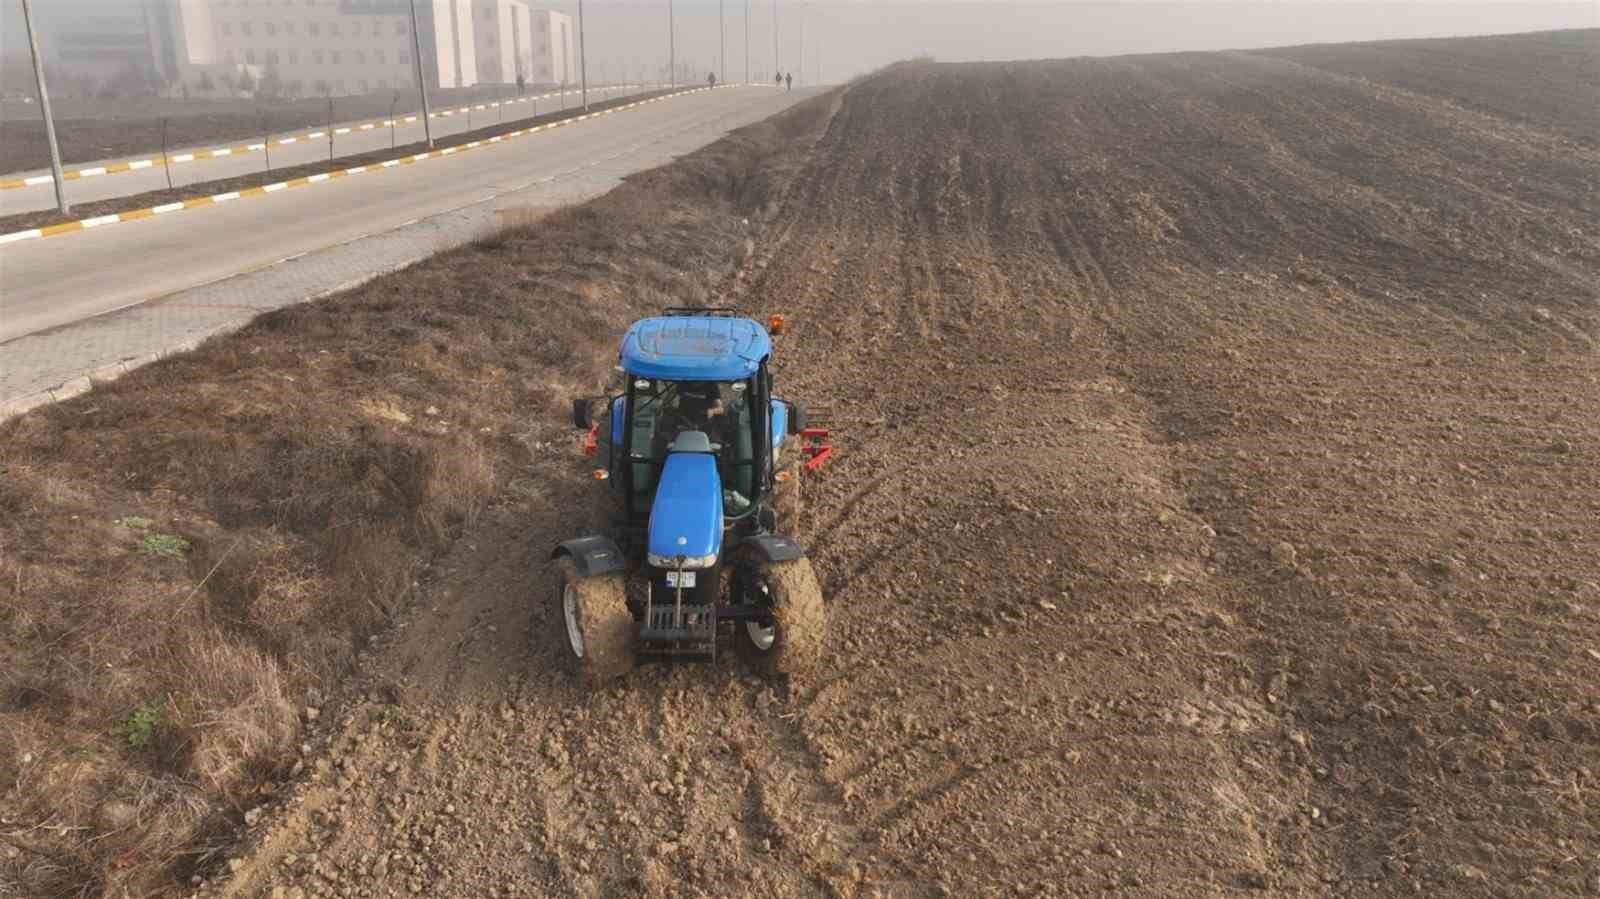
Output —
(683, 579)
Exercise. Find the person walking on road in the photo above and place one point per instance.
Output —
(789, 78)
(711, 79)
(777, 79)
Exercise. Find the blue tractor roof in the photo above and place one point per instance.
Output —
(695, 348)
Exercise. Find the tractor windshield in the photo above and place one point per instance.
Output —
(721, 409)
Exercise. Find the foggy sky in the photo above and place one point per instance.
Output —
(849, 37)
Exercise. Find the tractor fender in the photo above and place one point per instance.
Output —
(593, 555)
(775, 547)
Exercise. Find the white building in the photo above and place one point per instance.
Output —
(494, 30)
(514, 40)
(315, 47)
(455, 59)
(554, 61)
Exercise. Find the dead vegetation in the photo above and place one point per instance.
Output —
(188, 551)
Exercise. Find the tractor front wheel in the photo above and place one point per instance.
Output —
(594, 629)
(792, 643)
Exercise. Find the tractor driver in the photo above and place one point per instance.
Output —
(699, 408)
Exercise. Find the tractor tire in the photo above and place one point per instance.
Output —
(786, 497)
(793, 646)
(594, 629)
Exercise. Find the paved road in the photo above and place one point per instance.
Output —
(123, 184)
(55, 293)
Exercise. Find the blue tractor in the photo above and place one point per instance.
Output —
(694, 537)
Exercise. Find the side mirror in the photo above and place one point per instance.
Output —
(582, 414)
(797, 418)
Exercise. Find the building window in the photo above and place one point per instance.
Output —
(377, 29)
(250, 57)
(272, 57)
(288, 28)
(333, 28)
(312, 28)
(361, 86)
(294, 57)
(244, 28)
(269, 28)
(333, 57)
(377, 57)
(400, 29)
(405, 57)
(357, 57)
(316, 57)
(226, 28)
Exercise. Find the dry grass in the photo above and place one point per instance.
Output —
(313, 462)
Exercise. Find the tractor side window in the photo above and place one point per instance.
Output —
(737, 460)
(647, 397)
(650, 398)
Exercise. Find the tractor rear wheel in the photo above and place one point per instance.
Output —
(594, 629)
(793, 643)
(786, 497)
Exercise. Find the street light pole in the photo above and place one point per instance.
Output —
(722, 44)
(583, 61)
(672, 49)
(747, 42)
(44, 108)
(777, 60)
(422, 84)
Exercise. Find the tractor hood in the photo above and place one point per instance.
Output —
(686, 518)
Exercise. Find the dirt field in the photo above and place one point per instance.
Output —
(1548, 80)
(1217, 510)
(92, 131)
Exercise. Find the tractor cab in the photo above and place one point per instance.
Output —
(698, 465)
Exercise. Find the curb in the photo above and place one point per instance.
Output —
(134, 165)
(307, 180)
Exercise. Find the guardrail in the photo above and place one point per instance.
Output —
(134, 165)
(306, 181)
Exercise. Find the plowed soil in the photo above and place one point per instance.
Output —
(1217, 508)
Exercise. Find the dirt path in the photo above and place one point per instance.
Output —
(1214, 511)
